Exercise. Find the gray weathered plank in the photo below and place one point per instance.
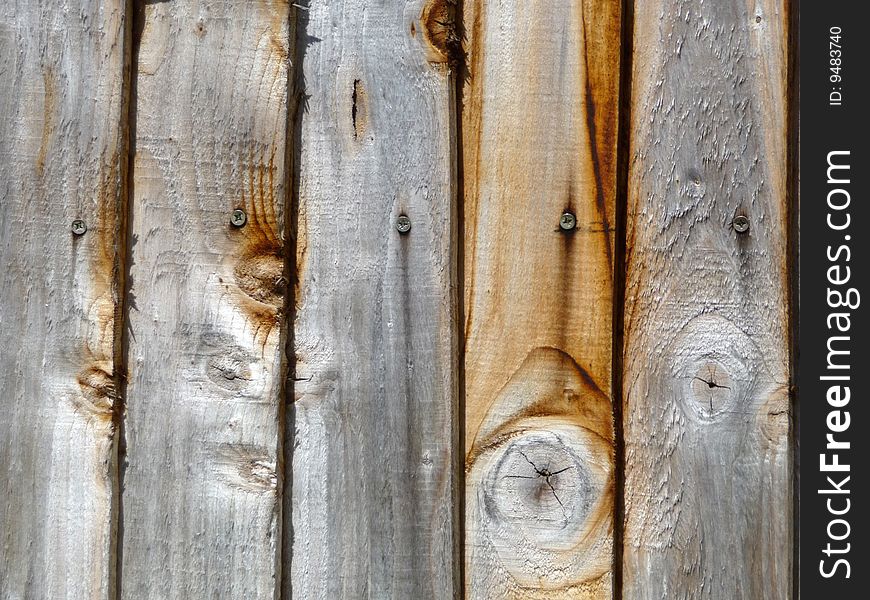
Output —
(201, 509)
(539, 118)
(373, 484)
(707, 427)
(62, 157)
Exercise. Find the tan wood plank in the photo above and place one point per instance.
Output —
(539, 139)
(373, 488)
(62, 157)
(708, 494)
(201, 508)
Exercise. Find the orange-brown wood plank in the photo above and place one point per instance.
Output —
(539, 140)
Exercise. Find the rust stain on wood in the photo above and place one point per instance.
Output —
(107, 236)
(259, 267)
(103, 244)
(601, 26)
(278, 30)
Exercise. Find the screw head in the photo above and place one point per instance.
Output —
(78, 227)
(567, 221)
(403, 224)
(238, 218)
(741, 224)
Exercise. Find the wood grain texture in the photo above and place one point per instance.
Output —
(708, 494)
(62, 157)
(201, 508)
(372, 492)
(539, 132)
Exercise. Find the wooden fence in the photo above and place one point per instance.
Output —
(356, 299)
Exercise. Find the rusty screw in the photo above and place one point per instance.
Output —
(238, 218)
(78, 227)
(567, 221)
(403, 224)
(741, 224)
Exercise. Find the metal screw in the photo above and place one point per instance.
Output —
(403, 224)
(567, 221)
(238, 217)
(78, 227)
(741, 224)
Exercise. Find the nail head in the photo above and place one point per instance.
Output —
(78, 227)
(403, 224)
(567, 221)
(741, 224)
(238, 218)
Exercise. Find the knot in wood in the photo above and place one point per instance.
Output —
(545, 504)
(260, 274)
(438, 20)
(539, 481)
(97, 394)
(712, 358)
(711, 384)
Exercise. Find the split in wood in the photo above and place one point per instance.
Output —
(712, 384)
(546, 474)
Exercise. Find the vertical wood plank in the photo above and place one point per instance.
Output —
(707, 428)
(375, 383)
(62, 157)
(539, 132)
(201, 509)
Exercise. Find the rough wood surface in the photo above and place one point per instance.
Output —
(62, 158)
(372, 489)
(707, 427)
(201, 509)
(539, 121)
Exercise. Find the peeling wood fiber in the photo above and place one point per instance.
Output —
(708, 484)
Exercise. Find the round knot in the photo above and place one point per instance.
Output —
(711, 358)
(540, 484)
(544, 502)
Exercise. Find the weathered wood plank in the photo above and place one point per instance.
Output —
(539, 121)
(62, 157)
(201, 509)
(375, 337)
(707, 431)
